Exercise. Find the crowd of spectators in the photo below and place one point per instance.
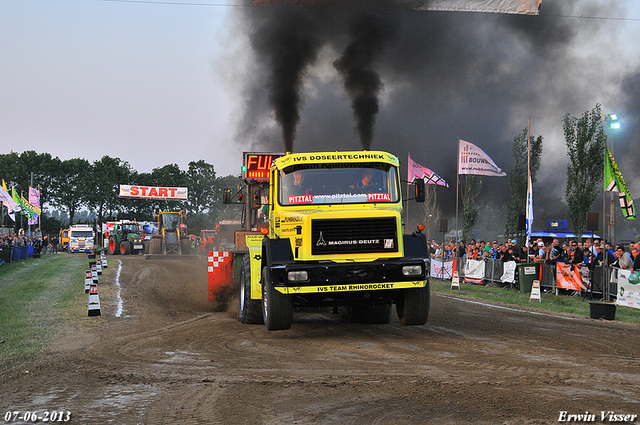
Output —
(41, 245)
(573, 252)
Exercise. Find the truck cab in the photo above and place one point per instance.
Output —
(81, 238)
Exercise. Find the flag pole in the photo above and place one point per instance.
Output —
(406, 211)
(605, 253)
(528, 226)
(457, 192)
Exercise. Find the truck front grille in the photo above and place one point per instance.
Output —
(353, 236)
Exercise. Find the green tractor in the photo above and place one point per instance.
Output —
(125, 238)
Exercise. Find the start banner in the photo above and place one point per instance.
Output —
(150, 192)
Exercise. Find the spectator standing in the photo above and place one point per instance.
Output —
(609, 248)
(555, 252)
(472, 250)
(623, 259)
(576, 255)
(636, 258)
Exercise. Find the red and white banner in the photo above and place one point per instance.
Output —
(570, 277)
(474, 271)
(150, 192)
(441, 270)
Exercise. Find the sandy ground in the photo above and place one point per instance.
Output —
(162, 354)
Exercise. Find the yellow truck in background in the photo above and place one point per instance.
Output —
(64, 239)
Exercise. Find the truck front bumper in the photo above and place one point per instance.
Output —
(349, 277)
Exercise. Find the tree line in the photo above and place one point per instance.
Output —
(75, 185)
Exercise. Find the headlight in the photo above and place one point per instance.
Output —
(412, 270)
(298, 276)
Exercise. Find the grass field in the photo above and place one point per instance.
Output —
(550, 303)
(37, 296)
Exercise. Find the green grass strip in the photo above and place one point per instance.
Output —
(551, 303)
(35, 295)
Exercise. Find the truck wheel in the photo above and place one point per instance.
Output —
(250, 311)
(113, 246)
(414, 309)
(125, 248)
(373, 314)
(277, 309)
(156, 245)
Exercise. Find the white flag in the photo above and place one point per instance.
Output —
(473, 160)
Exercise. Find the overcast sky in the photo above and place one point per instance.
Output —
(159, 82)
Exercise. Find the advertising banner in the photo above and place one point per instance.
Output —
(473, 160)
(417, 171)
(628, 288)
(474, 271)
(441, 270)
(34, 199)
(570, 277)
(509, 273)
(150, 192)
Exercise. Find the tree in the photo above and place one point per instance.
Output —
(203, 187)
(430, 213)
(470, 192)
(585, 140)
(517, 179)
(44, 169)
(108, 173)
(71, 188)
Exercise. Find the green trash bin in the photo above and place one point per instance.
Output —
(527, 273)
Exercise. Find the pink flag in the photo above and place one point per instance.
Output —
(417, 171)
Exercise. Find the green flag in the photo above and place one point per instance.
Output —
(614, 182)
(27, 212)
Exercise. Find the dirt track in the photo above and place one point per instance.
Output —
(171, 358)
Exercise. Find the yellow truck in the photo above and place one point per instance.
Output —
(64, 239)
(331, 235)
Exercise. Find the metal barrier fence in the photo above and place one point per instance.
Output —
(494, 270)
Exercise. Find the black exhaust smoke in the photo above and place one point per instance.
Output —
(288, 37)
(368, 32)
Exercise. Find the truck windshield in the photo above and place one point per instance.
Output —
(348, 183)
(81, 234)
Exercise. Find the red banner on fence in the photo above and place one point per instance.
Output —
(569, 277)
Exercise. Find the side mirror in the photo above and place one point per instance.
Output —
(226, 196)
(420, 192)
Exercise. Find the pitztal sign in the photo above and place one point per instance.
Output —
(150, 192)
